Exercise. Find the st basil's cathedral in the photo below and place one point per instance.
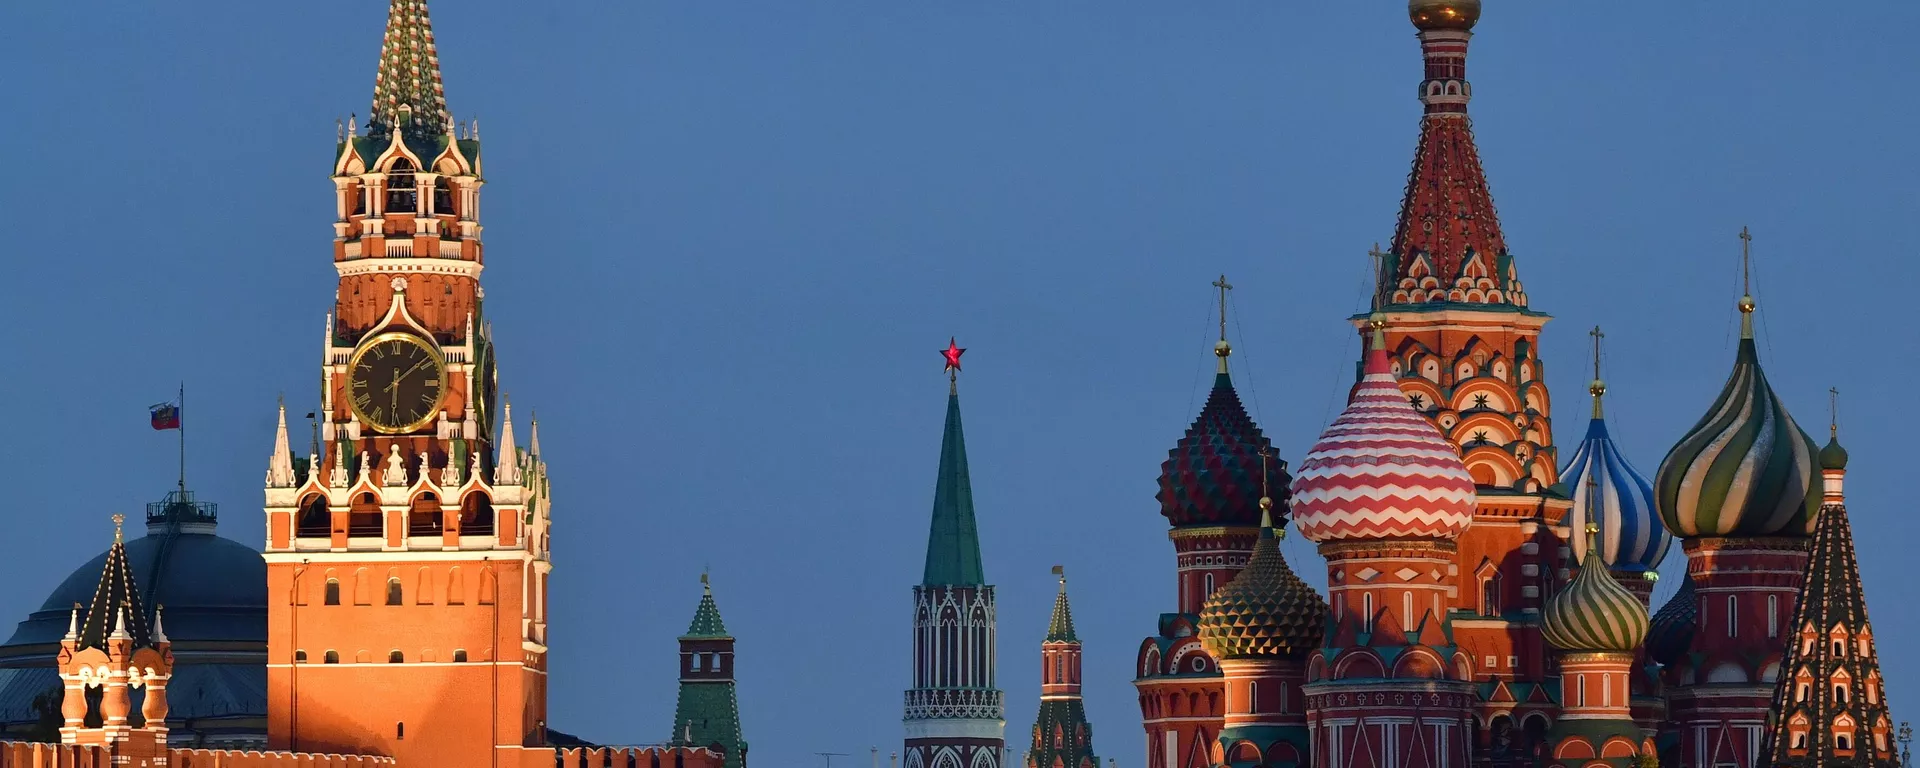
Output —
(1488, 601)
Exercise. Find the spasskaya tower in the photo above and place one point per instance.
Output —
(407, 552)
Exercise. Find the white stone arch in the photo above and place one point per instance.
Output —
(946, 757)
(914, 760)
(984, 758)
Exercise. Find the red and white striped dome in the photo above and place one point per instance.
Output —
(1382, 471)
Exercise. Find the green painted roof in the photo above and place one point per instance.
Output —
(706, 618)
(707, 713)
(1060, 630)
(953, 544)
(407, 94)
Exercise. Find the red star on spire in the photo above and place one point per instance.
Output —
(952, 353)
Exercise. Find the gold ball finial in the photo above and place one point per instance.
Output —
(1598, 387)
(1592, 528)
(1444, 14)
(118, 520)
(1266, 504)
(1747, 304)
(1222, 348)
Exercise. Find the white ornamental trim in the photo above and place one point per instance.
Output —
(457, 267)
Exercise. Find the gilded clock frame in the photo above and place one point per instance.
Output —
(439, 364)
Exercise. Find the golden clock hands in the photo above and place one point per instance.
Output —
(394, 389)
(416, 366)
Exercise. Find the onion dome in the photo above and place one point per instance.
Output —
(1382, 471)
(1746, 469)
(1213, 476)
(1833, 456)
(1444, 14)
(1594, 614)
(1266, 611)
(1671, 634)
(1632, 537)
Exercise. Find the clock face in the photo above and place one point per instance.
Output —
(396, 383)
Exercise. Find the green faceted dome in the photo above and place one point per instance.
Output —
(1745, 470)
(1266, 611)
(1833, 456)
(1594, 614)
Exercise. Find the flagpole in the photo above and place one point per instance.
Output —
(180, 416)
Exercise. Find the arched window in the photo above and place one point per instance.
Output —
(1583, 690)
(488, 587)
(396, 657)
(1839, 647)
(698, 660)
(1406, 610)
(1366, 607)
(1059, 665)
(1490, 596)
(423, 587)
(1253, 697)
(299, 657)
(363, 517)
(315, 520)
(1799, 741)
(1209, 583)
(1606, 690)
(460, 656)
(442, 197)
(1840, 741)
(332, 657)
(1773, 615)
(333, 592)
(401, 191)
(399, 731)
(476, 515)
(424, 518)
(1840, 693)
(1800, 692)
(456, 587)
(393, 590)
(1733, 617)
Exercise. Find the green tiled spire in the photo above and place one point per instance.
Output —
(953, 545)
(706, 618)
(1060, 630)
(407, 93)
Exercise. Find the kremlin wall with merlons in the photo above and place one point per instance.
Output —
(1488, 598)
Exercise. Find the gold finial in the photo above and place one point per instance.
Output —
(1833, 413)
(1747, 304)
(1061, 571)
(1593, 510)
(1266, 501)
(1599, 386)
(706, 584)
(1221, 348)
(117, 521)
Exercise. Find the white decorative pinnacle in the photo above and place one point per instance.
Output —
(366, 466)
(506, 471)
(424, 466)
(73, 624)
(533, 437)
(119, 625)
(159, 634)
(396, 469)
(473, 466)
(280, 466)
(339, 477)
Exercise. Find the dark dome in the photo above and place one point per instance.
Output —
(214, 590)
(1212, 476)
(1671, 635)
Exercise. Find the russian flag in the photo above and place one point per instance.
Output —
(164, 416)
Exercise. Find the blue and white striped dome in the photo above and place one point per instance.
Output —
(1632, 537)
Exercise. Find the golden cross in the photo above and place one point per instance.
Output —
(1224, 286)
(1833, 412)
(1746, 256)
(117, 520)
(1379, 261)
(1597, 336)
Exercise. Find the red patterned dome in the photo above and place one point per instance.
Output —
(1381, 471)
(1213, 475)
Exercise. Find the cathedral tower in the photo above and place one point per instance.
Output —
(1210, 490)
(954, 715)
(1463, 344)
(407, 554)
(1738, 489)
(1062, 738)
(1597, 626)
(1830, 707)
(708, 713)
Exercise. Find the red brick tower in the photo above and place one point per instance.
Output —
(115, 669)
(407, 554)
(1210, 490)
(1464, 347)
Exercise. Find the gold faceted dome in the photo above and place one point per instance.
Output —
(1266, 611)
(1443, 14)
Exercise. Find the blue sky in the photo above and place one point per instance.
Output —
(726, 240)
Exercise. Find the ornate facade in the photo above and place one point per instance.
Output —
(708, 711)
(1062, 738)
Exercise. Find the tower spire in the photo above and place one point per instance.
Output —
(407, 93)
(953, 544)
(1747, 304)
(1221, 348)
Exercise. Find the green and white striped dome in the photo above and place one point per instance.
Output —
(1745, 470)
(1594, 614)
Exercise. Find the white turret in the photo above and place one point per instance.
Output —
(506, 468)
(280, 466)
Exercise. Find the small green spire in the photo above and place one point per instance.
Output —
(1060, 630)
(706, 618)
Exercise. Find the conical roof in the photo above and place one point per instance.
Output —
(1382, 471)
(1746, 469)
(1267, 611)
(706, 618)
(1594, 613)
(407, 92)
(1060, 628)
(116, 602)
(953, 542)
(1670, 634)
(1213, 474)
(1632, 538)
